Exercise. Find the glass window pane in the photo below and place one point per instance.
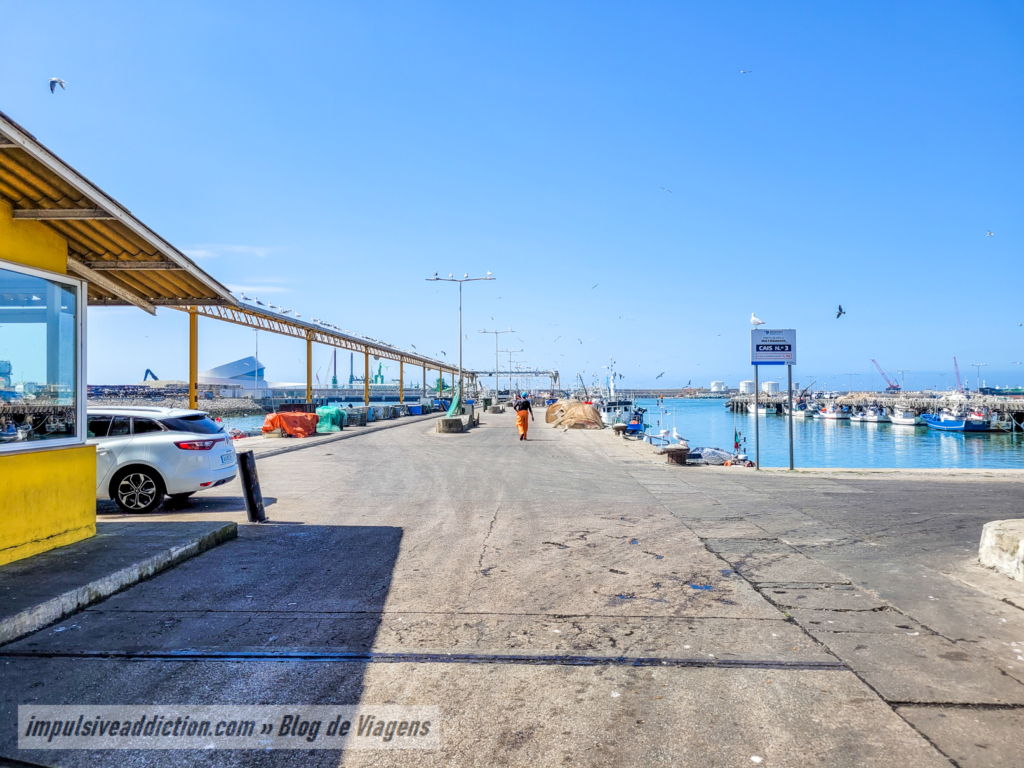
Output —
(120, 426)
(38, 358)
(99, 426)
(142, 426)
(199, 423)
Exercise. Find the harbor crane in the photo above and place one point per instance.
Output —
(891, 386)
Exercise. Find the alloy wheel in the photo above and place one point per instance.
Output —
(136, 491)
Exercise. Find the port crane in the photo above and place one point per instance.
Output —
(892, 386)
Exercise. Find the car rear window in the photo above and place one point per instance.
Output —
(200, 424)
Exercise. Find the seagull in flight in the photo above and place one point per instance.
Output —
(579, 340)
(988, 233)
(746, 71)
(488, 273)
(754, 321)
(659, 375)
(443, 353)
(55, 81)
(594, 286)
(666, 189)
(413, 346)
(841, 312)
(556, 339)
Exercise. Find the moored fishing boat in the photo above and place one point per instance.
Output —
(832, 412)
(871, 415)
(906, 417)
(948, 421)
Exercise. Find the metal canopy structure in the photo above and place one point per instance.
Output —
(267, 320)
(123, 260)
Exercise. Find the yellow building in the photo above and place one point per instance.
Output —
(64, 244)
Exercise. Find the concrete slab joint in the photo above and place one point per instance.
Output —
(1002, 547)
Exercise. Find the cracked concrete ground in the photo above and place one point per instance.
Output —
(895, 650)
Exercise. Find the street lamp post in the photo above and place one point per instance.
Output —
(979, 366)
(496, 359)
(460, 280)
(510, 352)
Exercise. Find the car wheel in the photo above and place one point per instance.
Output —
(137, 490)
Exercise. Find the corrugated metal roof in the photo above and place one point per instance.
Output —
(123, 259)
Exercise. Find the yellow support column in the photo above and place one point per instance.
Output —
(366, 377)
(193, 358)
(309, 367)
(401, 381)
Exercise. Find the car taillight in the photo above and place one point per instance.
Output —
(197, 445)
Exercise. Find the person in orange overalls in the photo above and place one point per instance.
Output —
(524, 412)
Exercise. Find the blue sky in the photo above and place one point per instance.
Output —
(329, 157)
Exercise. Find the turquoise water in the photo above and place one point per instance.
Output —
(244, 423)
(825, 443)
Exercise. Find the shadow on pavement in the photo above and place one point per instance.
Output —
(274, 588)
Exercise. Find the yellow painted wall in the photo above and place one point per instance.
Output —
(47, 496)
(31, 243)
(49, 500)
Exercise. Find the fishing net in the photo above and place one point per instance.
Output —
(579, 416)
(557, 410)
(332, 419)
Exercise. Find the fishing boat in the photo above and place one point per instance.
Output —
(831, 412)
(906, 417)
(871, 415)
(948, 421)
(613, 408)
(762, 410)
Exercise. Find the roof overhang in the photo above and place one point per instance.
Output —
(123, 260)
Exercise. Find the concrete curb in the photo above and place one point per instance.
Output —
(57, 608)
(1002, 547)
(343, 435)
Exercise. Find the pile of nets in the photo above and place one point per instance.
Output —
(572, 414)
(331, 419)
(714, 456)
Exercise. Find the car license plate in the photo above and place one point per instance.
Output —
(227, 458)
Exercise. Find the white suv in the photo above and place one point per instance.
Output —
(144, 453)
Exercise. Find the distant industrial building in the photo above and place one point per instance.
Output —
(719, 386)
(770, 387)
(746, 387)
(246, 373)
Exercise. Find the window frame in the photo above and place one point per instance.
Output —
(81, 393)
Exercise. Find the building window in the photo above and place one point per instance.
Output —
(41, 368)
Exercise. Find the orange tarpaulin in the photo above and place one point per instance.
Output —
(294, 423)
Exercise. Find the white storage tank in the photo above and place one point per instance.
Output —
(770, 387)
(718, 386)
(746, 387)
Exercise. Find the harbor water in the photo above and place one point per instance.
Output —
(826, 443)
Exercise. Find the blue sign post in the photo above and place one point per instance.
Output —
(772, 347)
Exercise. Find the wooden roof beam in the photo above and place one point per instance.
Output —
(111, 264)
(110, 286)
(62, 214)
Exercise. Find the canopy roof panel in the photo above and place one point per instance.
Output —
(124, 261)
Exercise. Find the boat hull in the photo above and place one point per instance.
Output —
(954, 425)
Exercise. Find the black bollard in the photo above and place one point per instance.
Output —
(251, 488)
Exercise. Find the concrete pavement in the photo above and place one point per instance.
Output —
(842, 617)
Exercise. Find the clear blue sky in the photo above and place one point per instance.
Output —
(330, 156)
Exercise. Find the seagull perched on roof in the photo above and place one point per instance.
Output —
(285, 311)
(841, 312)
(754, 321)
(243, 297)
(258, 302)
(54, 82)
